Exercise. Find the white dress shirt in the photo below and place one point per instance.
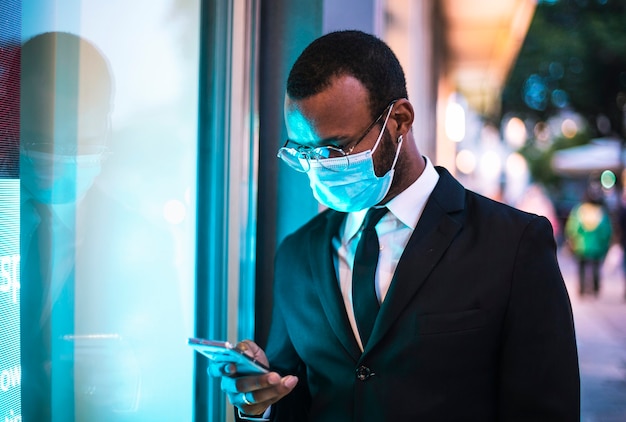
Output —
(394, 231)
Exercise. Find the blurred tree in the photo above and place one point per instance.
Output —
(573, 58)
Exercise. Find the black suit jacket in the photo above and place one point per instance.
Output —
(476, 326)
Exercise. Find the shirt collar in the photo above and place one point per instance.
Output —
(407, 206)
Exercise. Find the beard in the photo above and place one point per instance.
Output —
(386, 154)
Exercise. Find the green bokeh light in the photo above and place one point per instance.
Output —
(607, 179)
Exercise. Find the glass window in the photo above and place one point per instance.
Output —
(108, 170)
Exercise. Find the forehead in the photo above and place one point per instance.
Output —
(341, 110)
(55, 115)
(66, 89)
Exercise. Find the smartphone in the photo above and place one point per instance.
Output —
(225, 352)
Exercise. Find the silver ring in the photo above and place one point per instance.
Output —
(245, 399)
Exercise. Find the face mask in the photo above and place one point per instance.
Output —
(355, 188)
(58, 179)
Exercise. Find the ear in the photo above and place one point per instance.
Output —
(403, 116)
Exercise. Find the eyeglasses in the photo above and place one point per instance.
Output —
(299, 156)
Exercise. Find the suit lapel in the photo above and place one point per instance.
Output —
(323, 270)
(434, 232)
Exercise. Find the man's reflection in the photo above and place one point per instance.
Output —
(66, 99)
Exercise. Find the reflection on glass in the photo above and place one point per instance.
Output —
(108, 155)
(66, 97)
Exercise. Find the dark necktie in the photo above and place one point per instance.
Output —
(364, 299)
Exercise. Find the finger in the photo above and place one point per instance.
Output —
(276, 392)
(252, 383)
(236, 385)
(246, 403)
(248, 347)
(263, 387)
(242, 399)
(257, 401)
(259, 391)
(220, 369)
(253, 350)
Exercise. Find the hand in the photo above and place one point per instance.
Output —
(252, 394)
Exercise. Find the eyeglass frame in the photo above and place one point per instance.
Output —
(302, 151)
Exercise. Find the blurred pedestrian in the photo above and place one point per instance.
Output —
(588, 234)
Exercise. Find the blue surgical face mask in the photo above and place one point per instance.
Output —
(355, 188)
(57, 179)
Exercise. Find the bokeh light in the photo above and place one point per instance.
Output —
(466, 161)
(542, 132)
(174, 211)
(516, 164)
(455, 122)
(569, 128)
(491, 164)
(608, 179)
(515, 132)
(536, 92)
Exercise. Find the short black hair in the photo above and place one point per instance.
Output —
(354, 53)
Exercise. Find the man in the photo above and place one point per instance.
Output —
(474, 322)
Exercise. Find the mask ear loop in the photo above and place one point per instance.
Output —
(400, 139)
(382, 130)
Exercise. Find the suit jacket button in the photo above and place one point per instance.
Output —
(363, 373)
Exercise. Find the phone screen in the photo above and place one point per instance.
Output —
(224, 352)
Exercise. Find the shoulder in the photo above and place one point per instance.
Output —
(489, 205)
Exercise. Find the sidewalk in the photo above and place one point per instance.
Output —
(601, 336)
